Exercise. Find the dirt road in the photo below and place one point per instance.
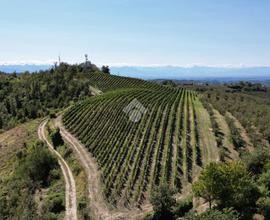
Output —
(98, 203)
(70, 188)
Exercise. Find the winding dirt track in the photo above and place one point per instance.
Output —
(98, 204)
(70, 188)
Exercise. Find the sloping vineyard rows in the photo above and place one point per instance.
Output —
(106, 82)
(163, 146)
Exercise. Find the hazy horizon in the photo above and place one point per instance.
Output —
(226, 73)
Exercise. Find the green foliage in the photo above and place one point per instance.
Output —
(28, 96)
(263, 205)
(248, 87)
(56, 138)
(35, 167)
(105, 69)
(182, 207)
(228, 185)
(169, 83)
(256, 160)
(163, 202)
(55, 203)
(258, 163)
(214, 214)
(52, 115)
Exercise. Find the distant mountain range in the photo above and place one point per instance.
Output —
(8, 68)
(223, 74)
(194, 73)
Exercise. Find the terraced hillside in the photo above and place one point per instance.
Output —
(140, 137)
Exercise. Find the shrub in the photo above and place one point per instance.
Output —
(263, 204)
(255, 161)
(163, 202)
(37, 165)
(214, 214)
(56, 138)
(55, 203)
(182, 207)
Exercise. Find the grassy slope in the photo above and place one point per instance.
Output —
(207, 138)
(12, 141)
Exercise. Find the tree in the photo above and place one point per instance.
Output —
(163, 202)
(105, 69)
(207, 186)
(214, 214)
(229, 185)
(38, 164)
(255, 161)
(57, 138)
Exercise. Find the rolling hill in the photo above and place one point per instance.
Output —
(142, 135)
(124, 139)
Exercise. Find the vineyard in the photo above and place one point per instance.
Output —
(106, 82)
(163, 146)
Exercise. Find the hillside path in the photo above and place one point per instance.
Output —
(98, 203)
(70, 188)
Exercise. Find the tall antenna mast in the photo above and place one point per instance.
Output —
(87, 64)
(59, 60)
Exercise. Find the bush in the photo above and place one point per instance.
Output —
(264, 206)
(37, 165)
(56, 138)
(183, 207)
(56, 203)
(52, 115)
(255, 161)
(163, 202)
(214, 214)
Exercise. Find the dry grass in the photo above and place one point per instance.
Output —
(13, 140)
(207, 139)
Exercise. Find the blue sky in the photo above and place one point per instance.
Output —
(145, 32)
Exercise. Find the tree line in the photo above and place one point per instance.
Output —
(27, 96)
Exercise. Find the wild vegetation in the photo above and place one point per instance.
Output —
(34, 171)
(27, 96)
(31, 184)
